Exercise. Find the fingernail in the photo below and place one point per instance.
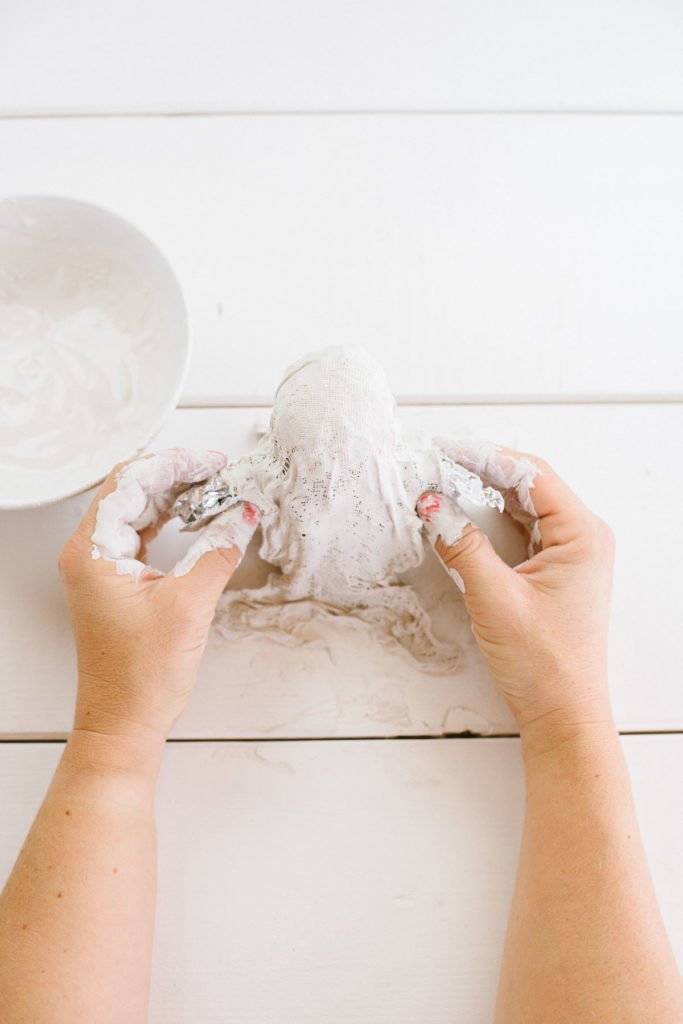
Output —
(520, 564)
(250, 513)
(428, 505)
(442, 516)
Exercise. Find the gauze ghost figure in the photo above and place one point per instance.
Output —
(336, 489)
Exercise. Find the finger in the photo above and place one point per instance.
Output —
(562, 515)
(504, 469)
(465, 551)
(109, 484)
(511, 475)
(144, 490)
(218, 550)
(168, 474)
(540, 492)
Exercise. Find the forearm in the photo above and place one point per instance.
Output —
(585, 938)
(77, 912)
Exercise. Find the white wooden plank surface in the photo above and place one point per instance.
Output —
(164, 56)
(366, 881)
(620, 459)
(480, 256)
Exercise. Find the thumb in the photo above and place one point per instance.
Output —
(464, 549)
(219, 549)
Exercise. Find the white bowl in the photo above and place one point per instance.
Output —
(94, 346)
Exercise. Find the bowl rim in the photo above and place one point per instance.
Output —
(172, 403)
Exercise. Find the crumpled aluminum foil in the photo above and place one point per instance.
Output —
(463, 483)
(204, 501)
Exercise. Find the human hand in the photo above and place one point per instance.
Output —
(542, 626)
(139, 633)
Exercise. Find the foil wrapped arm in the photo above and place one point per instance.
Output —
(197, 504)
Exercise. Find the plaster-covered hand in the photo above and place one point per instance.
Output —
(542, 626)
(140, 635)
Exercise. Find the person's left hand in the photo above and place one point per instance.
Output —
(139, 640)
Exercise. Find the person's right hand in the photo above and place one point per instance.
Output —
(542, 626)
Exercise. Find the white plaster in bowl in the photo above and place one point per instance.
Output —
(94, 346)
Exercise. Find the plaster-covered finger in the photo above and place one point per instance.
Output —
(169, 472)
(233, 528)
(496, 467)
(512, 473)
(442, 516)
(555, 507)
(464, 550)
(145, 488)
(450, 522)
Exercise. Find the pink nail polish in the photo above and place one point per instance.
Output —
(250, 513)
(428, 505)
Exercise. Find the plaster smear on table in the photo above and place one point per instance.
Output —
(337, 490)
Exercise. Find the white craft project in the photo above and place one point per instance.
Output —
(342, 502)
